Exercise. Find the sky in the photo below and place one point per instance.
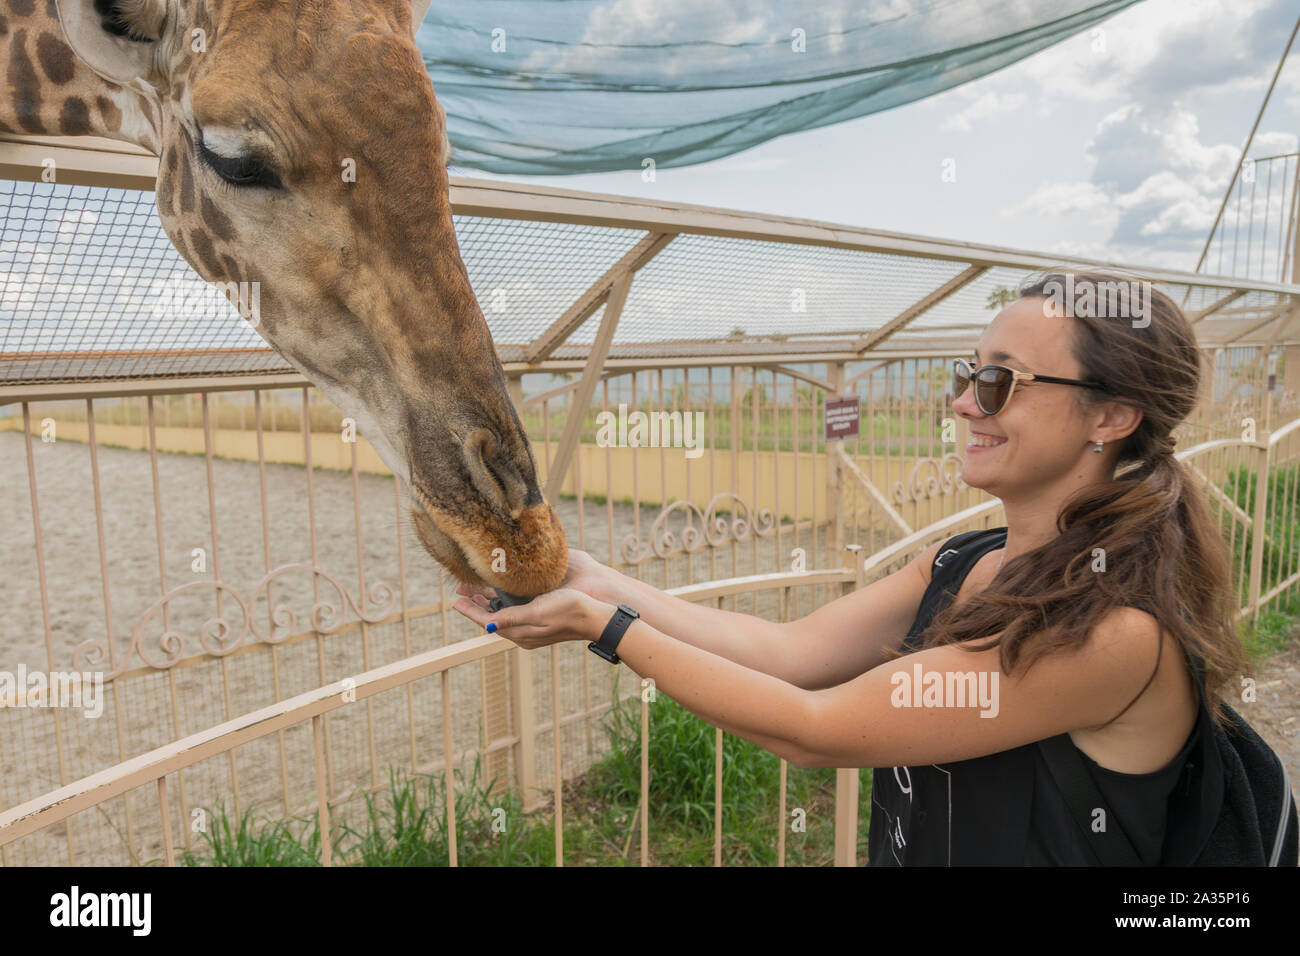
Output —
(1116, 144)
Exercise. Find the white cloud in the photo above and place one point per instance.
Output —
(986, 104)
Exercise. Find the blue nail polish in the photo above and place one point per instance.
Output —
(492, 627)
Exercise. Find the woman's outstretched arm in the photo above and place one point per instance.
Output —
(878, 719)
(833, 644)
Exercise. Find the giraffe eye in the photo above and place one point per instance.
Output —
(243, 171)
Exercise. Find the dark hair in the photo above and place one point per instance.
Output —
(1162, 545)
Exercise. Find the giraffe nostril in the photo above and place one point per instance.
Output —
(494, 475)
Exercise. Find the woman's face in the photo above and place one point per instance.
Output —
(1040, 437)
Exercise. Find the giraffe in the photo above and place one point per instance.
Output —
(257, 109)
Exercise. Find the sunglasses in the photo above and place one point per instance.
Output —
(995, 383)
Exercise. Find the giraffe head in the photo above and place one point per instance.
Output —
(302, 149)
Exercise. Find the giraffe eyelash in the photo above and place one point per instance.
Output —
(244, 172)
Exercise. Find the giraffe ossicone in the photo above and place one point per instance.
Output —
(253, 107)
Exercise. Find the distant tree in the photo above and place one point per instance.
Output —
(1001, 297)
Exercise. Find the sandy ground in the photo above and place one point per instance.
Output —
(1275, 715)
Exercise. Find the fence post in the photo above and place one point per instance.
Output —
(846, 816)
(855, 562)
(521, 702)
(834, 519)
(1258, 519)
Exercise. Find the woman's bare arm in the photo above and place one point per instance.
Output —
(833, 644)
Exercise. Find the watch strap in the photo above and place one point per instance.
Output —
(607, 645)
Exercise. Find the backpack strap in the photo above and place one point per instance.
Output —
(1109, 847)
(952, 562)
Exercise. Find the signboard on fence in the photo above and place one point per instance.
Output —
(842, 418)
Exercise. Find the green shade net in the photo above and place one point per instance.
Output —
(570, 86)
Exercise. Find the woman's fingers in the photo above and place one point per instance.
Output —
(498, 621)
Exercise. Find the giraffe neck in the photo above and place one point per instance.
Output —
(52, 92)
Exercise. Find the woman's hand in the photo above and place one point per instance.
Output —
(585, 574)
(589, 576)
(565, 614)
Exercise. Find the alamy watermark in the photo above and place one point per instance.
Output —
(1105, 300)
(651, 430)
(180, 296)
(946, 689)
(72, 689)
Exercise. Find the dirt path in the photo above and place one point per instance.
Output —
(1276, 711)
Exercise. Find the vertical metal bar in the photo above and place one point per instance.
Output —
(101, 539)
(797, 440)
(270, 597)
(754, 502)
(1259, 526)
(699, 439)
(556, 755)
(45, 611)
(609, 480)
(645, 781)
(216, 576)
(406, 618)
(736, 439)
(776, 468)
(581, 500)
(322, 795)
(717, 796)
(448, 775)
(315, 564)
(361, 601)
(663, 465)
(713, 472)
(781, 814)
(636, 477)
(846, 816)
(546, 439)
(442, 607)
(164, 811)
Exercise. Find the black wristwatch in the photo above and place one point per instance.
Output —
(613, 633)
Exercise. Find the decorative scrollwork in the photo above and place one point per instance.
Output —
(946, 478)
(224, 633)
(714, 530)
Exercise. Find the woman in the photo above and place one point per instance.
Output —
(1083, 618)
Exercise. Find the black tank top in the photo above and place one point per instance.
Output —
(1005, 809)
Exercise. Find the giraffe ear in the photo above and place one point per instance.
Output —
(418, 9)
(117, 39)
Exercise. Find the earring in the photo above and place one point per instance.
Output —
(1097, 447)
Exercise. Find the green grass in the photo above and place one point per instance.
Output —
(405, 824)
(1277, 625)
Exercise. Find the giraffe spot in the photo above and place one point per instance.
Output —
(232, 268)
(22, 8)
(56, 58)
(25, 83)
(52, 9)
(201, 243)
(74, 118)
(216, 220)
(186, 188)
(4, 25)
(163, 194)
(171, 160)
(111, 114)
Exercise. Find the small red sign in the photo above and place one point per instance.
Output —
(842, 416)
